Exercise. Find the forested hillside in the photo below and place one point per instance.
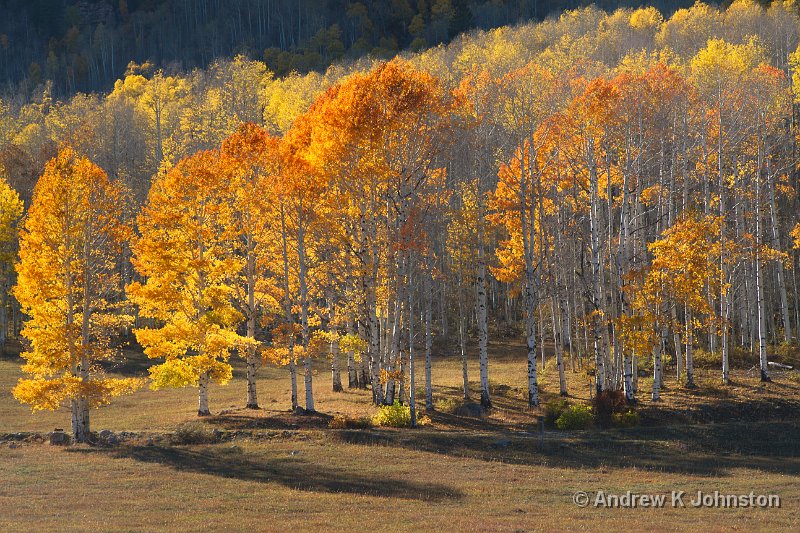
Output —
(84, 45)
(619, 186)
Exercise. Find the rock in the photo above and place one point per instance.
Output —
(471, 410)
(108, 437)
(59, 438)
(12, 445)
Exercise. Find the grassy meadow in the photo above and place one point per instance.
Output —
(272, 470)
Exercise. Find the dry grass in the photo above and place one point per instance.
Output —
(286, 472)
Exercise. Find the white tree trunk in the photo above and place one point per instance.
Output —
(597, 294)
(483, 330)
(776, 244)
(762, 333)
(202, 407)
(657, 367)
(336, 374)
(80, 419)
(293, 376)
(374, 347)
(412, 393)
(428, 350)
(352, 371)
(676, 338)
(627, 382)
(689, 349)
(726, 371)
(558, 341)
(252, 366)
(531, 304)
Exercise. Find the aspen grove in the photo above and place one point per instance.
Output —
(619, 187)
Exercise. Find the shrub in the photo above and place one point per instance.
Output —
(627, 419)
(787, 354)
(607, 403)
(705, 359)
(395, 415)
(575, 417)
(553, 409)
(447, 405)
(193, 432)
(345, 422)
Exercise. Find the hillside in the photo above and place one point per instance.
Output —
(84, 45)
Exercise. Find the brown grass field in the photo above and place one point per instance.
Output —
(271, 470)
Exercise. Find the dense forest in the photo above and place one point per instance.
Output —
(617, 185)
(84, 45)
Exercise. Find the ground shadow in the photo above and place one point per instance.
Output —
(704, 450)
(290, 471)
(246, 419)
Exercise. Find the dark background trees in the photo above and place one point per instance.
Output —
(85, 45)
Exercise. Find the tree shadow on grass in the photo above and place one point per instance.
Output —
(293, 472)
(704, 450)
(246, 419)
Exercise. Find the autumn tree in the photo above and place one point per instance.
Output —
(10, 212)
(68, 285)
(251, 159)
(188, 269)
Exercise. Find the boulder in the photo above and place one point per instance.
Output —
(108, 437)
(59, 438)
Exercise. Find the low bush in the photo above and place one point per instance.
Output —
(705, 359)
(627, 419)
(345, 422)
(194, 432)
(607, 403)
(396, 415)
(554, 409)
(787, 354)
(575, 417)
(447, 405)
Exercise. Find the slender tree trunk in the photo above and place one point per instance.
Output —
(287, 307)
(251, 359)
(412, 393)
(352, 371)
(80, 419)
(252, 362)
(202, 408)
(557, 340)
(762, 333)
(462, 343)
(689, 349)
(293, 376)
(308, 376)
(483, 333)
(776, 243)
(428, 348)
(374, 353)
(726, 372)
(335, 373)
(676, 336)
(627, 382)
(3, 315)
(657, 368)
